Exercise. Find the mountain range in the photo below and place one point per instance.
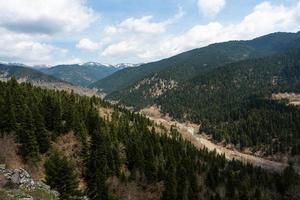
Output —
(239, 96)
(82, 74)
(189, 64)
(24, 73)
(225, 87)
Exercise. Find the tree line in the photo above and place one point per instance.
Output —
(233, 103)
(127, 146)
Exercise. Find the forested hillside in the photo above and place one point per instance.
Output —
(127, 146)
(26, 74)
(81, 74)
(233, 103)
(187, 65)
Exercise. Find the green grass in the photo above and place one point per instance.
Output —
(15, 194)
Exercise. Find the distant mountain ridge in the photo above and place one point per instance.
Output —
(38, 78)
(119, 65)
(187, 65)
(25, 74)
(152, 85)
(83, 74)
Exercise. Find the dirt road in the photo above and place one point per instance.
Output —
(189, 132)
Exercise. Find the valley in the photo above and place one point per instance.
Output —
(189, 131)
(149, 100)
(186, 127)
(249, 103)
(76, 141)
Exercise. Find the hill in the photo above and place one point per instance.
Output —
(120, 153)
(234, 102)
(23, 73)
(81, 74)
(28, 74)
(226, 98)
(187, 65)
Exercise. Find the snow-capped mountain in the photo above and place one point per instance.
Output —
(120, 65)
(125, 65)
(83, 74)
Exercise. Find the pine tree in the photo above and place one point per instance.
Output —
(258, 194)
(181, 182)
(42, 135)
(8, 116)
(289, 177)
(96, 172)
(150, 167)
(57, 116)
(193, 187)
(61, 176)
(29, 147)
(170, 183)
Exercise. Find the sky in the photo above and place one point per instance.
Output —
(50, 32)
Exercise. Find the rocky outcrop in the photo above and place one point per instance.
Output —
(21, 179)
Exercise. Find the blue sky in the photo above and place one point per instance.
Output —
(114, 31)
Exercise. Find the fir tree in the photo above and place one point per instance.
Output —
(96, 172)
(29, 147)
(61, 176)
(170, 183)
(42, 135)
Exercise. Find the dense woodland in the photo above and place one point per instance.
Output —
(128, 147)
(233, 102)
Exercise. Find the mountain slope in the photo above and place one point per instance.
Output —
(187, 65)
(232, 83)
(147, 90)
(234, 103)
(81, 74)
(25, 74)
(121, 154)
(37, 78)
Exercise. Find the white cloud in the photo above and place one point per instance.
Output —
(110, 30)
(133, 36)
(23, 48)
(144, 24)
(197, 36)
(72, 60)
(87, 44)
(211, 7)
(27, 28)
(265, 18)
(137, 25)
(126, 46)
(45, 16)
(129, 37)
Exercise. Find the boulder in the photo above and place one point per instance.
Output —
(20, 178)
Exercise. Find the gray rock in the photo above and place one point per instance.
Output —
(27, 198)
(15, 178)
(41, 185)
(22, 179)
